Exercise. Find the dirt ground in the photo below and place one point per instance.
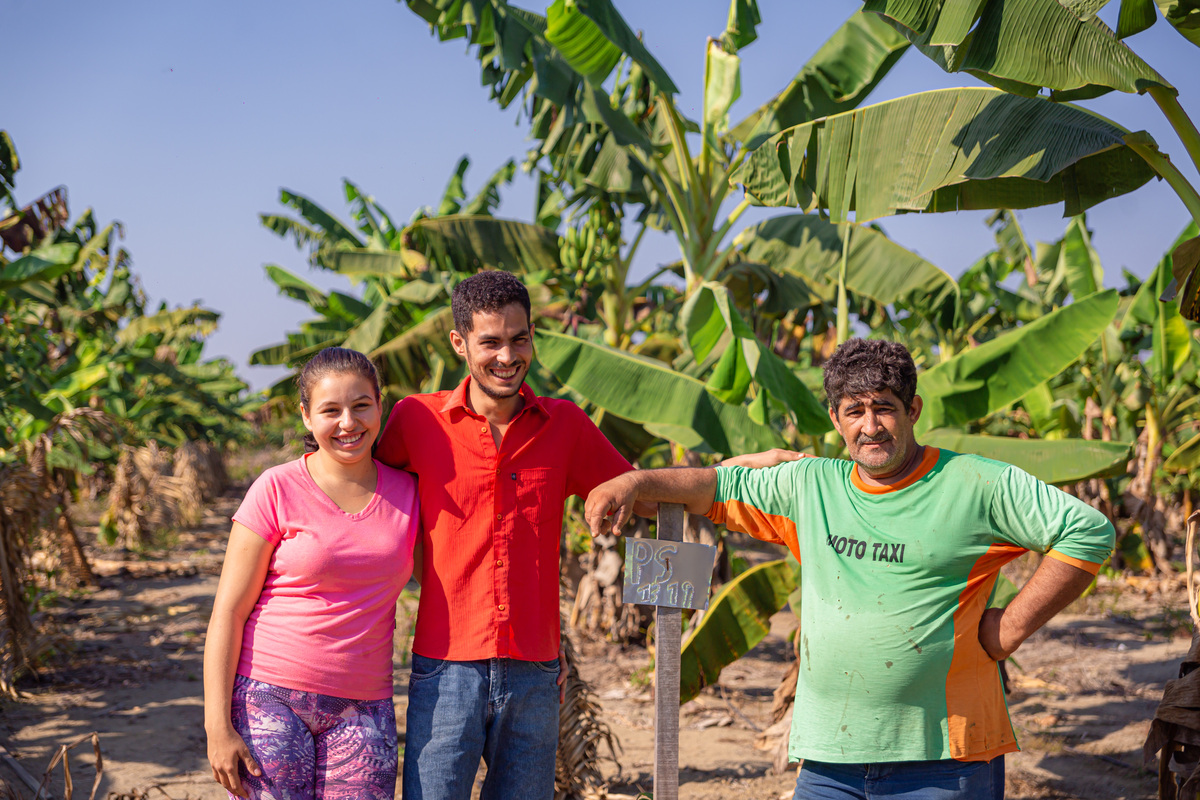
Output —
(129, 667)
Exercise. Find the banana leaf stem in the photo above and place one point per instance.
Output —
(843, 307)
(1171, 174)
(711, 269)
(1180, 121)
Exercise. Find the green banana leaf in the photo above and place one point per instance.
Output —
(9, 164)
(472, 243)
(181, 322)
(360, 263)
(580, 41)
(1184, 15)
(876, 267)
(987, 378)
(722, 88)
(1186, 457)
(1172, 341)
(945, 150)
(839, 76)
(1078, 262)
(296, 287)
(43, 264)
(1135, 17)
(575, 40)
(1022, 46)
(1056, 462)
(741, 27)
(649, 392)
(709, 319)
(738, 617)
(1185, 265)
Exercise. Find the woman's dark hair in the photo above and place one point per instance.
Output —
(860, 366)
(487, 291)
(332, 361)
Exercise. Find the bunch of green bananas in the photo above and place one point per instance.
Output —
(593, 244)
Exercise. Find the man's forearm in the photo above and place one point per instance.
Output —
(693, 487)
(1049, 591)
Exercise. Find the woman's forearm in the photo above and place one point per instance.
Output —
(222, 649)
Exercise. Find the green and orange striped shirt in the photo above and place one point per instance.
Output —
(895, 580)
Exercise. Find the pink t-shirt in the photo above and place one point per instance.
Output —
(325, 618)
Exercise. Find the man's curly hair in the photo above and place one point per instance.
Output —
(860, 366)
(489, 292)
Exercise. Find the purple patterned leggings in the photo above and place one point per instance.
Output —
(313, 745)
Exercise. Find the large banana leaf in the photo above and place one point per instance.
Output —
(1185, 16)
(1022, 46)
(1057, 462)
(709, 319)
(837, 78)
(649, 392)
(946, 150)
(738, 617)
(876, 267)
(987, 378)
(470, 243)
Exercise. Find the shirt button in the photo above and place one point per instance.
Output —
(514, 476)
(483, 429)
(499, 563)
(499, 516)
(501, 606)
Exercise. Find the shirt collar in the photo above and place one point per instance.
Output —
(458, 399)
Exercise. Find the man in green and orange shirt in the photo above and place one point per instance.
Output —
(899, 690)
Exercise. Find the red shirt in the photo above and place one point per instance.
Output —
(492, 520)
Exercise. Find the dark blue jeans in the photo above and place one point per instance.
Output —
(902, 780)
(501, 710)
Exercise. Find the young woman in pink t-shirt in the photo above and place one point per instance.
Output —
(298, 660)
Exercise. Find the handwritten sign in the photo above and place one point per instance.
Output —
(666, 573)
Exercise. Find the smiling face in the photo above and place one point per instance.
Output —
(498, 350)
(344, 416)
(878, 430)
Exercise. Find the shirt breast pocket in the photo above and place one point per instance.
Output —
(536, 496)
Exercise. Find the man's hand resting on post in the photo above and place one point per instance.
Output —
(616, 496)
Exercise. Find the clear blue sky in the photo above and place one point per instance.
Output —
(183, 120)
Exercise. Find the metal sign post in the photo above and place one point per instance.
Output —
(671, 575)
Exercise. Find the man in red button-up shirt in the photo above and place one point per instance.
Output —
(495, 463)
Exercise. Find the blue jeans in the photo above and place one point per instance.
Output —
(902, 780)
(502, 710)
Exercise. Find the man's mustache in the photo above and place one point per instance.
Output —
(874, 439)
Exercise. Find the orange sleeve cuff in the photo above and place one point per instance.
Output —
(1087, 566)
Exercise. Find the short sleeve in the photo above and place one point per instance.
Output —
(595, 459)
(391, 449)
(1036, 516)
(259, 510)
(760, 502)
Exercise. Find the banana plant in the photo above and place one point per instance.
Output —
(610, 137)
(1030, 46)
